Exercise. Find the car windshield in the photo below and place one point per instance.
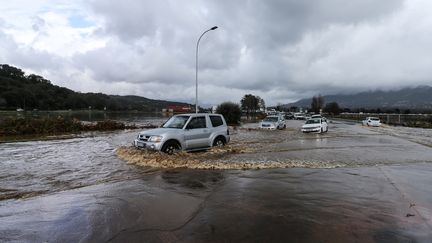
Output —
(313, 121)
(271, 119)
(374, 119)
(176, 122)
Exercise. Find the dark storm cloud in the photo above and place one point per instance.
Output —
(245, 52)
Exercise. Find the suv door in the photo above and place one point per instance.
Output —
(197, 133)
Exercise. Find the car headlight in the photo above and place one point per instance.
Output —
(155, 139)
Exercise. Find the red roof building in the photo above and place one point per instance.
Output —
(179, 108)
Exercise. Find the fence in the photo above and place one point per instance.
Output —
(410, 120)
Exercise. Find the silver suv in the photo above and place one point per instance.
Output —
(186, 132)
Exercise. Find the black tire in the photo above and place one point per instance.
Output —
(219, 142)
(326, 129)
(284, 127)
(322, 130)
(170, 147)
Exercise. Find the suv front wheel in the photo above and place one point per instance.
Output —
(170, 147)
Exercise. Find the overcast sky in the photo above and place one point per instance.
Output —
(281, 50)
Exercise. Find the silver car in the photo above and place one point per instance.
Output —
(186, 132)
(273, 122)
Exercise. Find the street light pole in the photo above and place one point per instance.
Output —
(196, 67)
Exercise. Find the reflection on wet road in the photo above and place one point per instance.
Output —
(283, 205)
(85, 193)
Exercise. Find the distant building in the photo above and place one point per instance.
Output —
(178, 109)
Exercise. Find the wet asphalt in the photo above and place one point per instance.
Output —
(381, 193)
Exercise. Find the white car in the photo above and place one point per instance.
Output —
(318, 125)
(299, 116)
(273, 122)
(319, 116)
(372, 121)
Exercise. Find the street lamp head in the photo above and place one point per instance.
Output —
(213, 28)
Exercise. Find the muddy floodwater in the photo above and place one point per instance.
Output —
(352, 184)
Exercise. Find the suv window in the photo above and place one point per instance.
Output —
(216, 121)
(176, 122)
(197, 122)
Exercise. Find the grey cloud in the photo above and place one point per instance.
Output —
(272, 24)
(26, 57)
(128, 63)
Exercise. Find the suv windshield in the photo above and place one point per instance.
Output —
(271, 119)
(176, 122)
(313, 121)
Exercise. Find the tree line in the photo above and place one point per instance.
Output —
(251, 105)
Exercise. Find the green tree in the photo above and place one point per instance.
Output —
(279, 107)
(250, 103)
(317, 103)
(332, 108)
(293, 109)
(9, 71)
(230, 111)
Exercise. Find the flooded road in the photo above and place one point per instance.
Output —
(355, 184)
(345, 145)
(33, 168)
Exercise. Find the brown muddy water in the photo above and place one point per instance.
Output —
(354, 184)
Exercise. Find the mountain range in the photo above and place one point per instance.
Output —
(417, 98)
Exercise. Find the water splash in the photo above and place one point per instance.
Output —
(225, 158)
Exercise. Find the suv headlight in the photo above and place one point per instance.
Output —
(155, 139)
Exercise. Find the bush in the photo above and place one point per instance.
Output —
(230, 111)
(51, 126)
(28, 126)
